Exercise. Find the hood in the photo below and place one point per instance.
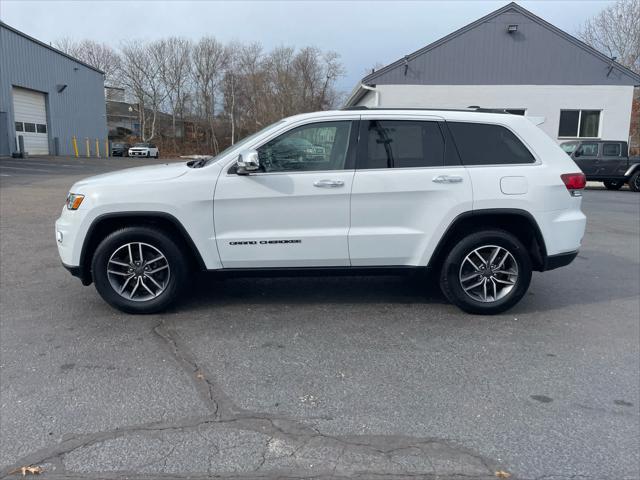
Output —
(137, 175)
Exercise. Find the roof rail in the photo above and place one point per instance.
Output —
(472, 108)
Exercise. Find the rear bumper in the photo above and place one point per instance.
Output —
(556, 261)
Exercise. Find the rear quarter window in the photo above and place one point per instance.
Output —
(486, 144)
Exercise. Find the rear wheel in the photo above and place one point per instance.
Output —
(139, 270)
(634, 182)
(613, 184)
(487, 272)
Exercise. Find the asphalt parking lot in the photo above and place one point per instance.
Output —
(349, 377)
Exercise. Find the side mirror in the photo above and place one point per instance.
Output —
(248, 162)
(576, 154)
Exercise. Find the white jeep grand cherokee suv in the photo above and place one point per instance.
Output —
(482, 198)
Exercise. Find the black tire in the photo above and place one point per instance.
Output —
(613, 184)
(450, 275)
(148, 154)
(634, 182)
(152, 238)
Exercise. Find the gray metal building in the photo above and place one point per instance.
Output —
(515, 60)
(47, 97)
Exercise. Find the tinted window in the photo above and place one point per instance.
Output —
(318, 146)
(611, 150)
(579, 123)
(403, 144)
(588, 149)
(569, 123)
(42, 128)
(482, 144)
(30, 127)
(19, 127)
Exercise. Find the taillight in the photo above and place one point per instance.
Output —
(574, 181)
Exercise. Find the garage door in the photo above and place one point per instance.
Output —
(30, 113)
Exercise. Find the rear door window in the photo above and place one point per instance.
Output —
(611, 150)
(401, 144)
(486, 144)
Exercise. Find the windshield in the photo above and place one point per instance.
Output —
(239, 145)
(118, 145)
(141, 145)
(568, 147)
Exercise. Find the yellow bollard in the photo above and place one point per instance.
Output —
(106, 148)
(87, 145)
(97, 148)
(75, 145)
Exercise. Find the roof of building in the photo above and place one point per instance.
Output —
(53, 49)
(461, 57)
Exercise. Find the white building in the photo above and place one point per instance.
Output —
(514, 60)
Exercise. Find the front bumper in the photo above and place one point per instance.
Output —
(78, 272)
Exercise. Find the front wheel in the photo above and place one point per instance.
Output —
(487, 272)
(613, 184)
(634, 182)
(139, 270)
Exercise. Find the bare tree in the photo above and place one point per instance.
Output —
(98, 55)
(209, 58)
(173, 56)
(140, 72)
(223, 92)
(616, 32)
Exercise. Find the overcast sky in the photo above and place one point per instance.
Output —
(364, 33)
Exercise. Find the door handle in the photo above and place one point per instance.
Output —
(447, 179)
(328, 183)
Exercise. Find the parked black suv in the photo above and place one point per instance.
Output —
(605, 161)
(120, 149)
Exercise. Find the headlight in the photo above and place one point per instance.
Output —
(74, 200)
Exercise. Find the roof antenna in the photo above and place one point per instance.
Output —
(406, 64)
(613, 59)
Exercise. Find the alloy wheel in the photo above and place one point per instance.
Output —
(138, 271)
(488, 273)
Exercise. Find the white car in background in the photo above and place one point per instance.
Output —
(483, 199)
(144, 150)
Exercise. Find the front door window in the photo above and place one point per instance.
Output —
(315, 147)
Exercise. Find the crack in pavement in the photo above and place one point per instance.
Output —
(339, 455)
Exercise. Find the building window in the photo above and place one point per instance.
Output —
(41, 128)
(30, 127)
(579, 123)
(19, 127)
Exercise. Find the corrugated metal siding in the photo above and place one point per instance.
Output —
(79, 110)
(488, 55)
